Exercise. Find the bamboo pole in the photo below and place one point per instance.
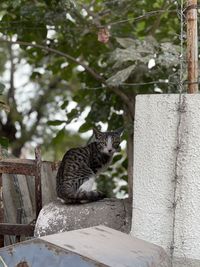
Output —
(1, 205)
(192, 46)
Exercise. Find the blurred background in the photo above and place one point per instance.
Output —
(68, 66)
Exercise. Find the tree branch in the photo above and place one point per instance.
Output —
(38, 107)
(55, 51)
(11, 91)
(93, 73)
(156, 24)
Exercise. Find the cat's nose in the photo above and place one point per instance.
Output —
(109, 150)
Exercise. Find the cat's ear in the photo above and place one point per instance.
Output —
(96, 132)
(119, 131)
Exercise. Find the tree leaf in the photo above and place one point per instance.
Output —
(73, 114)
(85, 127)
(117, 158)
(138, 51)
(64, 104)
(169, 55)
(59, 137)
(55, 122)
(3, 104)
(125, 42)
(120, 76)
(2, 87)
(4, 142)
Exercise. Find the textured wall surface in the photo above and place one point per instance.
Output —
(156, 157)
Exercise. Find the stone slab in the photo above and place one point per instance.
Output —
(56, 217)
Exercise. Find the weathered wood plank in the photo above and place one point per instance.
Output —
(19, 190)
(26, 204)
(38, 185)
(49, 172)
(16, 229)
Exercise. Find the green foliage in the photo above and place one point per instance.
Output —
(3, 102)
(4, 142)
(136, 54)
(139, 32)
(114, 180)
(55, 122)
(53, 148)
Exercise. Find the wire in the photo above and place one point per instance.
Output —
(181, 110)
(146, 83)
(148, 14)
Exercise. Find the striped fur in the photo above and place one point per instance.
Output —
(80, 167)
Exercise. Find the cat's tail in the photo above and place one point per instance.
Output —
(90, 196)
(68, 200)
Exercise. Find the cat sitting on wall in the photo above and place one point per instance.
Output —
(80, 166)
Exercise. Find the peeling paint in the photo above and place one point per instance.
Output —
(23, 264)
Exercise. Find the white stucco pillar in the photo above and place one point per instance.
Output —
(156, 164)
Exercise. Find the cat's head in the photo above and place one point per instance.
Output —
(108, 142)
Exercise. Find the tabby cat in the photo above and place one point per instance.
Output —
(80, 167)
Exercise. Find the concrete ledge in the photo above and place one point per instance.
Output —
(56, 217)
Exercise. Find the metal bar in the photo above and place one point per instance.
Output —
(26, 167)
(192, 46)
(38, 186)
(17, 229)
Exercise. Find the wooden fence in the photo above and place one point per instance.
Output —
(23, 196)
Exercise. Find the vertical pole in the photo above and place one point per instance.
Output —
(38, 185)
(19, 221)
(1, 206)
(192, 46)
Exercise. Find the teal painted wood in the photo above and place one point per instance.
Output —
(36, 253)
(97, 246)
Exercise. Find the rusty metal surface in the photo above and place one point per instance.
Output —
(192, 46)
(27, 167)
(54, 165)
(17, 166)
(110, 247)
(23, 264)
(17, 229)
(37, 253)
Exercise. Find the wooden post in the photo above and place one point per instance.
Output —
(1, 205)
(192, 46)
(1, 210)
(38, 185)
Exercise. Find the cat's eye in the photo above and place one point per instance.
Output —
(116, 144)
(103, 143)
